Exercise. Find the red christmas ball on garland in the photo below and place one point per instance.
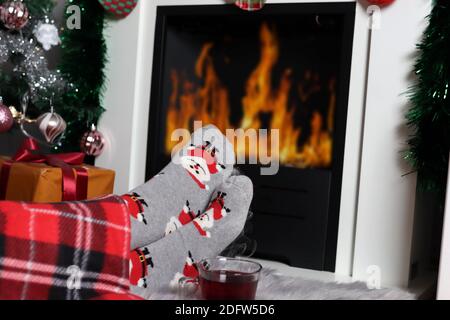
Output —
(250, 5)
(14, 14)
(120, 8)
(381, 3)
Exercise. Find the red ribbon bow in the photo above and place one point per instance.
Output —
(74, 187)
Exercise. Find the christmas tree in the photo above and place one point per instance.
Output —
(22, 42)
(73, 90)
(429, 115)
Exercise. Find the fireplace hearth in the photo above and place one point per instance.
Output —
(286, 67)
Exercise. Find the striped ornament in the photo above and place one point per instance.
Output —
(120, 8)
(51, 125)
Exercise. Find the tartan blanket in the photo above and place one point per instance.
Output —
(71, 251)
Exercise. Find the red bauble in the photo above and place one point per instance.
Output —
(14, 14)
(250, 5)
(92, 142)
(6, 118)
(120, 8)
(380, 3)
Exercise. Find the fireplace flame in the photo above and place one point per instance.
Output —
(209, 103)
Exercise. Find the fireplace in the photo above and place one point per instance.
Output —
(286, 67)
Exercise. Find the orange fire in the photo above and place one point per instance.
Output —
(209, 103)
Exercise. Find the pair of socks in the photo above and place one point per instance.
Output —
(171, 261)
(181, 191)
(190, 211)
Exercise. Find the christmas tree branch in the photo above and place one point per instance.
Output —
(429, 114)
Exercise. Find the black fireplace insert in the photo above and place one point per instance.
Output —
(285, 67)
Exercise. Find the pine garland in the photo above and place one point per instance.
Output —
(429, 114)
(83, 62)
(83, 59)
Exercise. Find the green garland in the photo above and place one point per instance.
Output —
(83, 59)
(429, 115)
(83, 62)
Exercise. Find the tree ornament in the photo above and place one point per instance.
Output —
(250, 5)
(14, 14)
(92, 142)
(47, 35)
(381, 3)
(120, 8)
(51, 125)
(6, 118)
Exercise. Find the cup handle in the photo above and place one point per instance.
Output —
(189, 289)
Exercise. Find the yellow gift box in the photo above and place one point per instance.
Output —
(39, 182)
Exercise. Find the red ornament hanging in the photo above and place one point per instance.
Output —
(6, 118)
(92, 142)
(14, 14)
(381, 3)
(250, 5)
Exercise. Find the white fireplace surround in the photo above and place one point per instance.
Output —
(377, 202)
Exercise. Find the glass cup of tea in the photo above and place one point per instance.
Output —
(228, 278)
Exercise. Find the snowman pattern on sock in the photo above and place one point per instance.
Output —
(201, 162)
(188, 276)
(136, 205)
(140, 260)
(186, 215)
(215, 211)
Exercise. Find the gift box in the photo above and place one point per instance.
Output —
(29, 176)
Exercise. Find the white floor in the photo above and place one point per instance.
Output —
(304, 273)
(420, 287)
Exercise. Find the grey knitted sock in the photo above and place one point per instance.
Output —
(170, 262)
(181, 191)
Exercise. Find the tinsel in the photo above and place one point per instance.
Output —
(42, 82)
(75, 86)
(27, 61)
(429, 114)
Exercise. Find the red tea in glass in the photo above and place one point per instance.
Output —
(228, 279)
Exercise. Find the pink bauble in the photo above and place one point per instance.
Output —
(14, 14)
(92, 142)
(51, 125)
(6, 118)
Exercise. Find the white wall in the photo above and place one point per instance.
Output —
(130, 46)
(127, 97)
(443, 292)
(386, 198)
(119, 100)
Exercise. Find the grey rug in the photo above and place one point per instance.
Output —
(273, 286)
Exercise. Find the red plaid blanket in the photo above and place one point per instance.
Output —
(73, 250)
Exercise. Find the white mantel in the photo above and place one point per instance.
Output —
(377, 203)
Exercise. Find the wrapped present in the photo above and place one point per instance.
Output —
(31, 176)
